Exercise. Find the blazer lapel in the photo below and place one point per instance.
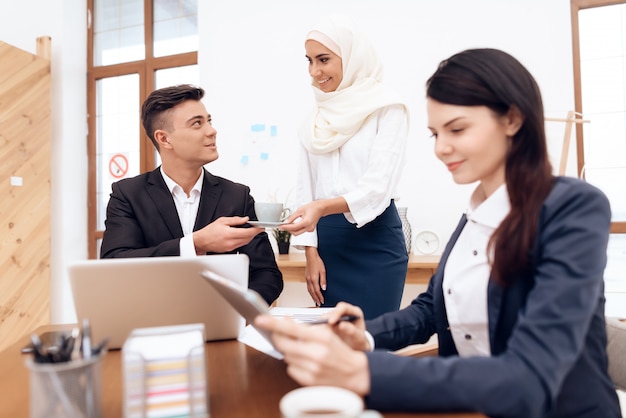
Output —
(446, 252)
(446, 343)
(438, 279)
(164, 202)
(494, 303)
(211, 192)
(504, 302)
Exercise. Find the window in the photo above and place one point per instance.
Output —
(134, 46)
(599, 41)
(599, 38)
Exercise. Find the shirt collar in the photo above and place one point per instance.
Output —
(492, 210)
(173, 186)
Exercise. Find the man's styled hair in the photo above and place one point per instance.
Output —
(159, 102)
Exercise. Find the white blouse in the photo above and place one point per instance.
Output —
(365, 170)
(467, 272)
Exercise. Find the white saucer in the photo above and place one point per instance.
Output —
(266, 224)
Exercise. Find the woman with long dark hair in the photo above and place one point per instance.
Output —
(517, 302)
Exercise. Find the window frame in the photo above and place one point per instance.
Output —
(576, 6)
(146, 69)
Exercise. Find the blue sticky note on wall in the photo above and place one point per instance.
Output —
(264, 156)
(244, 159)
(273, 130)
(259, 127)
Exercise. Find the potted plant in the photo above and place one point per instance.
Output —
(282, 240)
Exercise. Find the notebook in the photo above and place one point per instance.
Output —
(119, 295)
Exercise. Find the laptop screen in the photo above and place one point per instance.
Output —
(119, 295)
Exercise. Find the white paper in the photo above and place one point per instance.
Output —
(170, 344)
(252, 338)
(303, 315)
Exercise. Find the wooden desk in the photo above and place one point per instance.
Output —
(243, 383)
(420, 268)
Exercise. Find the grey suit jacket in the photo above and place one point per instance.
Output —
(142, 221)
(547, 331)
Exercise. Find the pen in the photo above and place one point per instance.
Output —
(349, 318)
(39, 352)
(85, 340)
(67, 345)
(100, 347)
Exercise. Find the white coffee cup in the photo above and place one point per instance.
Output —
(321, 402)
(270, 211)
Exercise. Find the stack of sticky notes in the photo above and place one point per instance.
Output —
(165, 372)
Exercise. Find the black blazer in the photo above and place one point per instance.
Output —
(547, 331)
(142, 221)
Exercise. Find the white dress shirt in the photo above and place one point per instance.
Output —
(187, 208)
(467, 272)
(365, 170)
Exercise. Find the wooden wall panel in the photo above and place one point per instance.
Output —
(24, 208)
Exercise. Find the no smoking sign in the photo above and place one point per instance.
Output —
(118, 166)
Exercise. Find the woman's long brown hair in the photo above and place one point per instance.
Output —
(493, 78)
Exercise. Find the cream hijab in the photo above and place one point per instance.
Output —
(340, 114)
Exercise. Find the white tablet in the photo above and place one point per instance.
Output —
(246, 301)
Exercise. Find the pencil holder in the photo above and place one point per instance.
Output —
(66, 390)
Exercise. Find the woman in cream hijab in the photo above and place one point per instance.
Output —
(352, 155)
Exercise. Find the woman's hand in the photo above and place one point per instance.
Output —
(305, 218)
(352, 333)
(315, 355)
(315, 275)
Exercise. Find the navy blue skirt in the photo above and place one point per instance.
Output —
(364, 266)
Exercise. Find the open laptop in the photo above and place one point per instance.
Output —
(119, 295)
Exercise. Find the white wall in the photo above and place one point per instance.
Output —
(253, 68)
(21, 22)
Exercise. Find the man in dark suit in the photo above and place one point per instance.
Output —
(180, 208)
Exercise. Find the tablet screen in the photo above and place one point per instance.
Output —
(246, 301)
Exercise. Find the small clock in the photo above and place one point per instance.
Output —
(427, 242)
